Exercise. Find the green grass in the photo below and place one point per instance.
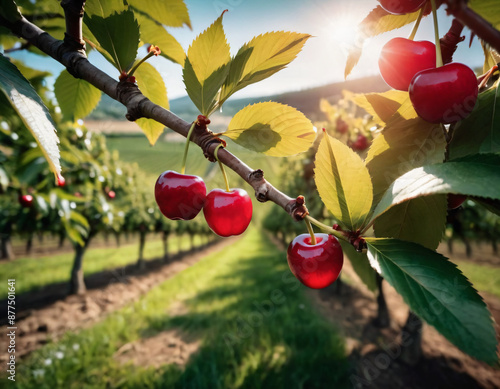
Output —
(289, 345)
(34, 273)
(484, 278)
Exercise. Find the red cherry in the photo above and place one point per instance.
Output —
(111, 194)
(316, 266)
(455, 200)
(180, 196)
(402, 58)
(228, 213)
(446, 94)
(342, 126)
(361, 143)
(401, 7)
(26, 200)
(61, 181)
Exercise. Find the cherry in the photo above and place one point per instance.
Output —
(446, 94)
(342, 126)
(180, 196)
(361, 143)
(61, 181)
(111, 194)
(402, 58)
(26, 200)
(401, 7)
(316, 266)
(455, 200)
(228, 213)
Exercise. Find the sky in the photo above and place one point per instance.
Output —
(332, 24)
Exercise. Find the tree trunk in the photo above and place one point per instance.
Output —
(411, 340)
(6, 248)
(62, 237)
(191, 238)
(382, 320)
(179, 245)
(117, 239)
(77, 283)
(29, 244)
(165, 246)
(494, 246)
(141, 264)
(450, 246)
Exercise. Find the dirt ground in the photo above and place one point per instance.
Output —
(50, 313)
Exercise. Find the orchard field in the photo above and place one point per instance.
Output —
(334, 226)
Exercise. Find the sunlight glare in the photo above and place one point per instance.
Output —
(343, 31)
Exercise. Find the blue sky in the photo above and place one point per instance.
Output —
(322, 60)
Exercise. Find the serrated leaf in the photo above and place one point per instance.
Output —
(489, 59)
(361, 265)
(30, 108)
(377, 22)
(488, 9)
(382, 106)
(206, 67)
(437, 292)
(118, 35)
(104, 8)
(401, 147)
(173, 13)
(272, 128)
(260, 58)
(476, 175)
(151, 84)
(421, 220)
(154, 33)
(478, 133)
(76, 97)
(343, 183)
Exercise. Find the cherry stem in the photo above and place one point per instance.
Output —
(311, 231)
(417, 24)
(439, 56)
(136, 65)
(325, 228)
(487, 77)
(186, 148)
(222, 167)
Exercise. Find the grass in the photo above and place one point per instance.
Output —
(256, 326)
(484, 278)
(34, 273)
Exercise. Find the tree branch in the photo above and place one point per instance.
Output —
(139, 106)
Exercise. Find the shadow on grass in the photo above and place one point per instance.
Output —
(258, 331)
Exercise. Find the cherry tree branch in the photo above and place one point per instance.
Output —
(477, 24)
(73, 57)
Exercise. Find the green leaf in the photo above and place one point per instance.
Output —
(76, 97)
(173, 13)
(382, 106)
(477, 175)
(272, 128)
(488, 9)
(118, 35)
(30, 108)
(154, 33)
(343, 183)
(361, 265)
(421, 220)
(206, 67)
(151, 84)
(104, 8)
(377, 22)
(9, 11)
(438, 292)
(480, 132)
(401, 147)
(260, 58)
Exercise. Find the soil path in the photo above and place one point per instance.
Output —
(39, 317)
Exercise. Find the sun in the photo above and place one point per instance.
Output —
(343, 31)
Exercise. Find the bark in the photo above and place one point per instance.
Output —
(117, 239)
(77, 283)
(29, 244)
(62, 237)
(165, 246)
(383, 319)
(6, 248)
(411, 340)
(141, 264)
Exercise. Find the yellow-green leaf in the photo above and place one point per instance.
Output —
(151, 84)
(402, 146)
(173, 13)
(260, 58)
(206, 67)
(76, 97)
(154, 33)
(272, 128)
(343, 183)
(104, 8)
(382, 106)
(488, 9)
